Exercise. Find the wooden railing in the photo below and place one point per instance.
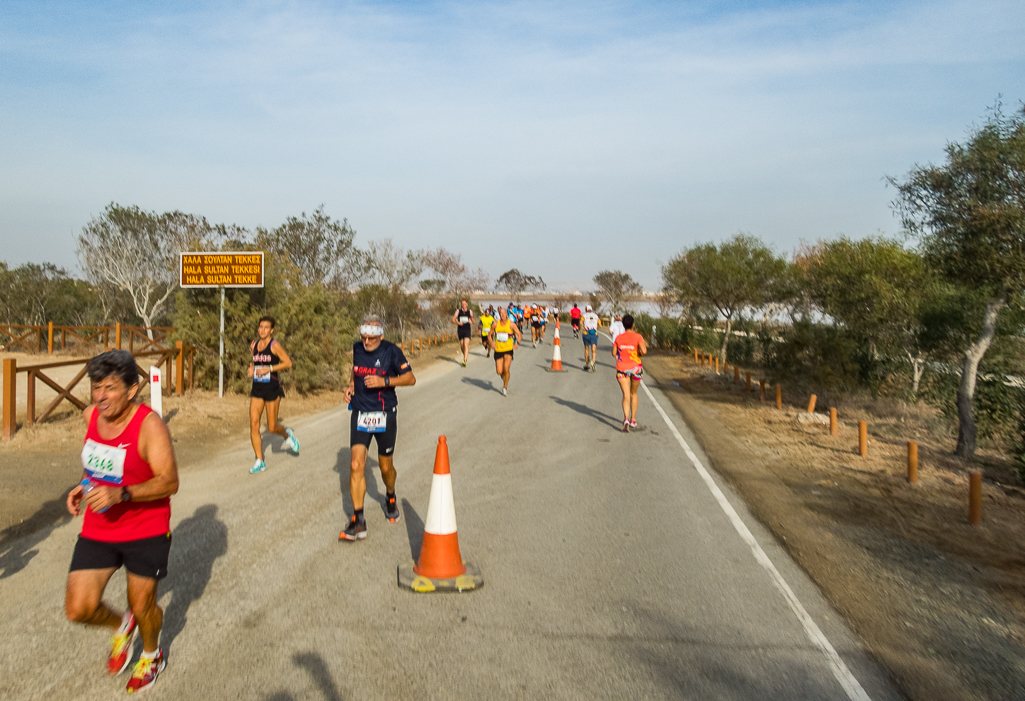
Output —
(174, 358)
(51, 337)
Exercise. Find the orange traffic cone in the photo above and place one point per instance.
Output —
(556, 351)
(441, 567)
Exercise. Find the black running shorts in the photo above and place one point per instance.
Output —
(463, 332)
(144, 558)
(385, 439)
(502, 354)
(267, 391)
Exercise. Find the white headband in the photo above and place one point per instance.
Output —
(371, 330)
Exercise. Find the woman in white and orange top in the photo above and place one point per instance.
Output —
(627, 349)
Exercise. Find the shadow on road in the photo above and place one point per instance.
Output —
(17, 543)
(482, 384)
(370, 471)
(200, 539)
(314, 665)
(414, 529)
(588, 411)
(696, 664)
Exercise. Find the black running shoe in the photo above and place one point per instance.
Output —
(391, 510)
(356, 530)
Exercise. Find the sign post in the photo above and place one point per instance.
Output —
(156, 391)
(221, 269)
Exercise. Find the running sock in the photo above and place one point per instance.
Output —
(391, 495)
(149, 655)
(358, 513)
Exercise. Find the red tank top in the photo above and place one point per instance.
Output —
(116, 462)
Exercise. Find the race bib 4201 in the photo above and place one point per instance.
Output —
(372, 421)
(104, 463)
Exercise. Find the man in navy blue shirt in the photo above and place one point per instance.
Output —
(378, 367)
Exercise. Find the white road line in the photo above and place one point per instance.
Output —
(836, 664)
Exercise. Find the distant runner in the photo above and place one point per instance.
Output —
(616, 327)
(268, 358)
(574, 319)
(590, 321)
(505, 338)
(463, 318)
(534, 314)
(627, 349)
(125, 498)
(484, 324)
(378, 367)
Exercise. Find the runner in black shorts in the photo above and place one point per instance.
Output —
(268, 358)
(378, 367)
(463, 318)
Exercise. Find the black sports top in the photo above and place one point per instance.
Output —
(265, 357)
(464, 318)
(387, 360)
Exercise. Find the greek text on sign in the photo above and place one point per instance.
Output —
(221, 269)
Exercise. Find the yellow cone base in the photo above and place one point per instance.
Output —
(468, 581)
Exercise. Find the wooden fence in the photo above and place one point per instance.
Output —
(175, 359)
(51, 337)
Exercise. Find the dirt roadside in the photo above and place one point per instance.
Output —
(941, 604)
(40, 465)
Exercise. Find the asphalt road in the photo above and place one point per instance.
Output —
(612, 571)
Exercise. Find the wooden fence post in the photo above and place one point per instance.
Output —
(117, 335)
(747, 379)
(912, 462)
(192, 374)
(10, 415)
(761, 389)
(811, 404)
(832, 422)
(179, 361)
(975, 497)
(168, 390)
(779, 397)
(49, 338)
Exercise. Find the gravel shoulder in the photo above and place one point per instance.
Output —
(939, 603)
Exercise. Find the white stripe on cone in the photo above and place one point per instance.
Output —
(441, 510)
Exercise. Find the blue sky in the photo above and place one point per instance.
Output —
(561, 139)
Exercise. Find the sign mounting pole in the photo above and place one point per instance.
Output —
(220, 269)
(220, 360)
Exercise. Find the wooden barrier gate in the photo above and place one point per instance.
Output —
(175, 374)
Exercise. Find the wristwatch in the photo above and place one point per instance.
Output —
(387, 381)
(125, 496)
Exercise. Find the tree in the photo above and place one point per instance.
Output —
(320, 249)
(514, 282)
(726, 279)
(458, 280)
(876, 289)
(969, 217)
(615, 286)
(137, 252)
(392, 266)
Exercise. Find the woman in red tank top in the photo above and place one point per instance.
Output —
(129, 477)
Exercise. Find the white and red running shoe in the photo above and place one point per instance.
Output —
(145, 673)
(121, 644)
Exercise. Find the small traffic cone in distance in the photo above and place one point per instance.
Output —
(441, 566)
(556, 351)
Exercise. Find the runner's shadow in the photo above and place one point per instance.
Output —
(414, 529)
(201, 538)
(588, 411)
(18, 543)
(482, 384)
(314, 665)
(370, 471)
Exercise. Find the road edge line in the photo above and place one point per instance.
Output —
(836, 664)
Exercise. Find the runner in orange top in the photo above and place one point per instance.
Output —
(627, 349)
